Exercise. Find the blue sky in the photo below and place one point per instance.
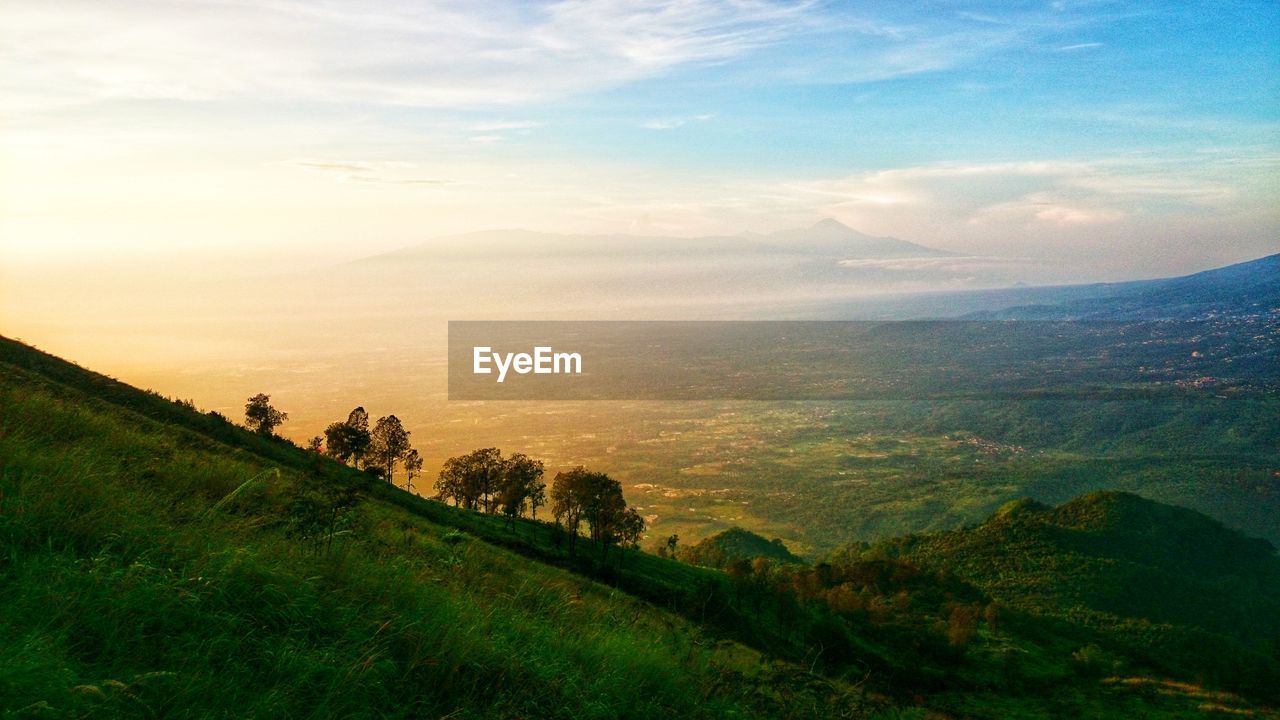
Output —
(1127, 138)
(987, 84)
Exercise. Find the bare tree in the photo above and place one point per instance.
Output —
(412, 468)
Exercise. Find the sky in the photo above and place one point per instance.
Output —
(1126, 139)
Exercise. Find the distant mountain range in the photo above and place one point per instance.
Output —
(826, 239)
(1247, 288)
(826, 271)
(490, 273)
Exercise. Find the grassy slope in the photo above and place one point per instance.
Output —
(145, 571)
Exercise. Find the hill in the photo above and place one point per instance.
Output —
(736, 545)
(1124, 566)
(1245, 289)
(158, 561)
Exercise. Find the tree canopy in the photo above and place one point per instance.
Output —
(388, 445)
(349, 441)
(471, 480)
(581, 495)
(261, 417)
(483, 480)
(521, 486)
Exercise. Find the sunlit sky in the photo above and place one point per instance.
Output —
(1135, 139)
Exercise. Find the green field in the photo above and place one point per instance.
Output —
(820, 475)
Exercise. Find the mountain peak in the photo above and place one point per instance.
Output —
(831, 224)
(833, 238)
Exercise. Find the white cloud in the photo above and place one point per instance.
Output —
(501, 125)
(1066, 192)
(1079, 46)
(902, 40)
(673, 123)
(366, 171)
(439, 53)
(436, 53)
(1043, 208)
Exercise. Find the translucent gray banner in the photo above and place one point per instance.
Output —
(799, 360)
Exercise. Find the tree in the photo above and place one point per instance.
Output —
(580, 495)
(472, 480)
(316, 444)
(630, 528)
(412, 468)
(537, 496)
(260, 417)
(568, 494)
(349, 441)
(521, 485)
(389, 444)
(604, 510)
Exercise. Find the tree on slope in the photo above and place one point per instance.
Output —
(349, 441)
(472, 480)
(389, 444)
(521, 486)
(260, 417)
(580, 495)
(412, 468)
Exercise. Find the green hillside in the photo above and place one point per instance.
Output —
(160, 562)
(152, 564)
(1164, 585)
(736, 545)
